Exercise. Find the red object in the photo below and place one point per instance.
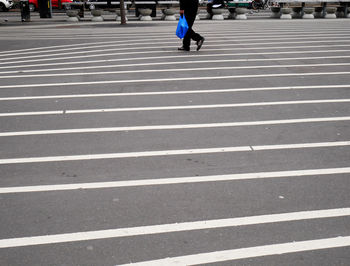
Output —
(54, 3)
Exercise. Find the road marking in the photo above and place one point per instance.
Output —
(160, 34)
(177, 56)
(113, 43)
(93, 45)
(123, 155)
(175, 180)
(32, 113)
(173, 63)
(172, 70)
(142, 37)
(171, 79)
(160, 38)
(151, 93)
(122, 35)
(175, 227)
(139, 46)
(226, 27)
(251, 252)
(171, 127)
(145, 42)
(109, 36)
(173, 152)
(176, 107)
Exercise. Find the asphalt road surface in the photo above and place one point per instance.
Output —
(116, 148)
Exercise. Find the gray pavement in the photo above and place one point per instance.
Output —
(241, 149)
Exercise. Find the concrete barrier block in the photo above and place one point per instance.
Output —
(72, 15)
(308, 13)
(330, 12)
(286, 13)
(96, 15)
(169, 14)
(218, 14)
(241, 13)
(145, 14)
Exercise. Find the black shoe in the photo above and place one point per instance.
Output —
(183, 49)
(200, 43)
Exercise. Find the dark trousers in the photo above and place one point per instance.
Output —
(190, 16)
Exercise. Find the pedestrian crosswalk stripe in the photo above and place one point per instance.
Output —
(177, 56)
(123, 35)
(140, 47)
(121, 81)
(172, 70)
(160, 38)
(128, 53)
(175, 227)
(174, 63)
(172, 92)
(251, 252)
(174, 127)
(175, 180)
(142, 42)
(174, 152)
(175, 107)
(71, 49)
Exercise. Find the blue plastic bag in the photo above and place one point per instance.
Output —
(182, 27)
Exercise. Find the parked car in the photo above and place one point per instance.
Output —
(5, 5)
(33, 4)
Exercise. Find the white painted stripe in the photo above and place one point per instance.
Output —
(171, 79)
(88, 45)
(173, 63)
(166, 34)
(109, 37)
(172, 70)
(218, 42)
(299, 146)
(142, 36)
(172, 127)
(176, 107)
(251, 252)
(152, 93)
(251, 24)
(32, 113)
(175, 227)
(175, 180)
(172, 152)
(162, 37)
(160, 45)
(177, 56)
(123, 155)
(157, 52)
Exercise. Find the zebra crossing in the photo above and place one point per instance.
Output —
(117, 149)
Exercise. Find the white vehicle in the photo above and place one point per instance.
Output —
(5, 5)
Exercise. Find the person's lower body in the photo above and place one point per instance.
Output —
(210, 10)
(191, 34)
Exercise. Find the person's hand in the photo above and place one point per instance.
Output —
(182, 12)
